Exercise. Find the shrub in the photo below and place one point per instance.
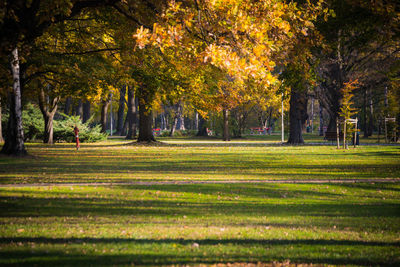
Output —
(33, 124)
(63, 130)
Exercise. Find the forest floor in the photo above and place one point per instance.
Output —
(200, 201)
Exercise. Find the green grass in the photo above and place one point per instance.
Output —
(197, 159)
(344, 224)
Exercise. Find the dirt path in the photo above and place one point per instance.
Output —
(180, 182)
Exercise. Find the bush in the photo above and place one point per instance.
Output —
(64, 130)
(33, 124)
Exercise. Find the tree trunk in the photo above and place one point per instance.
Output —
(48, 129)
(131, 114)
(14, 142)
(48, 111)
(173, 126)
(371, 115)
(202, 131)
(86, 111)
(365, 115)
(121, 110)
(163, 122)
(67, 107)
(297, 116)
(79, 109)
(181, 119)
(196, 121)
(1, 128)
(145, 120)
(104, 111)
(226, 135)
(321, 120)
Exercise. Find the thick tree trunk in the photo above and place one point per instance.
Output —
(202, 127)
(67, 106)
(48, 111)
(14, 142)
(86, 111)
(132, 114)
(48, 129)
(104, 111)
(121, 110)
(226, 135)
(145, 120)
(297, 116)
(1, 128)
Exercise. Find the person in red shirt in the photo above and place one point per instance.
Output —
(76, 131)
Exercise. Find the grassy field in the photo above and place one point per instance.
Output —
(168, 224)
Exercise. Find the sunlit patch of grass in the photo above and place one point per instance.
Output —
(345, 224)
(197, 159)
(208, 223)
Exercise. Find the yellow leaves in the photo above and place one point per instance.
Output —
(142, 37)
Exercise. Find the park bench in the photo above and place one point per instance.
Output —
(331, 136)
(258, 130)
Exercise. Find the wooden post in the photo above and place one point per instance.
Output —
(344, 134)
(337, 132)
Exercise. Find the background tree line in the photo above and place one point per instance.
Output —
(158, 62)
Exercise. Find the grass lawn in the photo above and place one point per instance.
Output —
(352, 224)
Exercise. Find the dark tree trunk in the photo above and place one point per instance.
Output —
(202, 127)
(365, 126)
(321, 120)
(48, 111)
(297, 116)
(14, 142)
(226, 135)
(86, 111)
(79, 109)
(1, 128)
(132, 114)
(124, 128)
(104, 111)
(121, 110)
(145, 119)
(371, 115)
(67, 107)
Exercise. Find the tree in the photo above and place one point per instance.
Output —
(21, 23)
(48, 107)
(346, 108)
(360, 43)
(236, 42)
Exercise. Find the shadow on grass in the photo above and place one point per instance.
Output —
(190, 256)
(133, 167)
(175, 201)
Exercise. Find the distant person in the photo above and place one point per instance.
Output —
(76, 131)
